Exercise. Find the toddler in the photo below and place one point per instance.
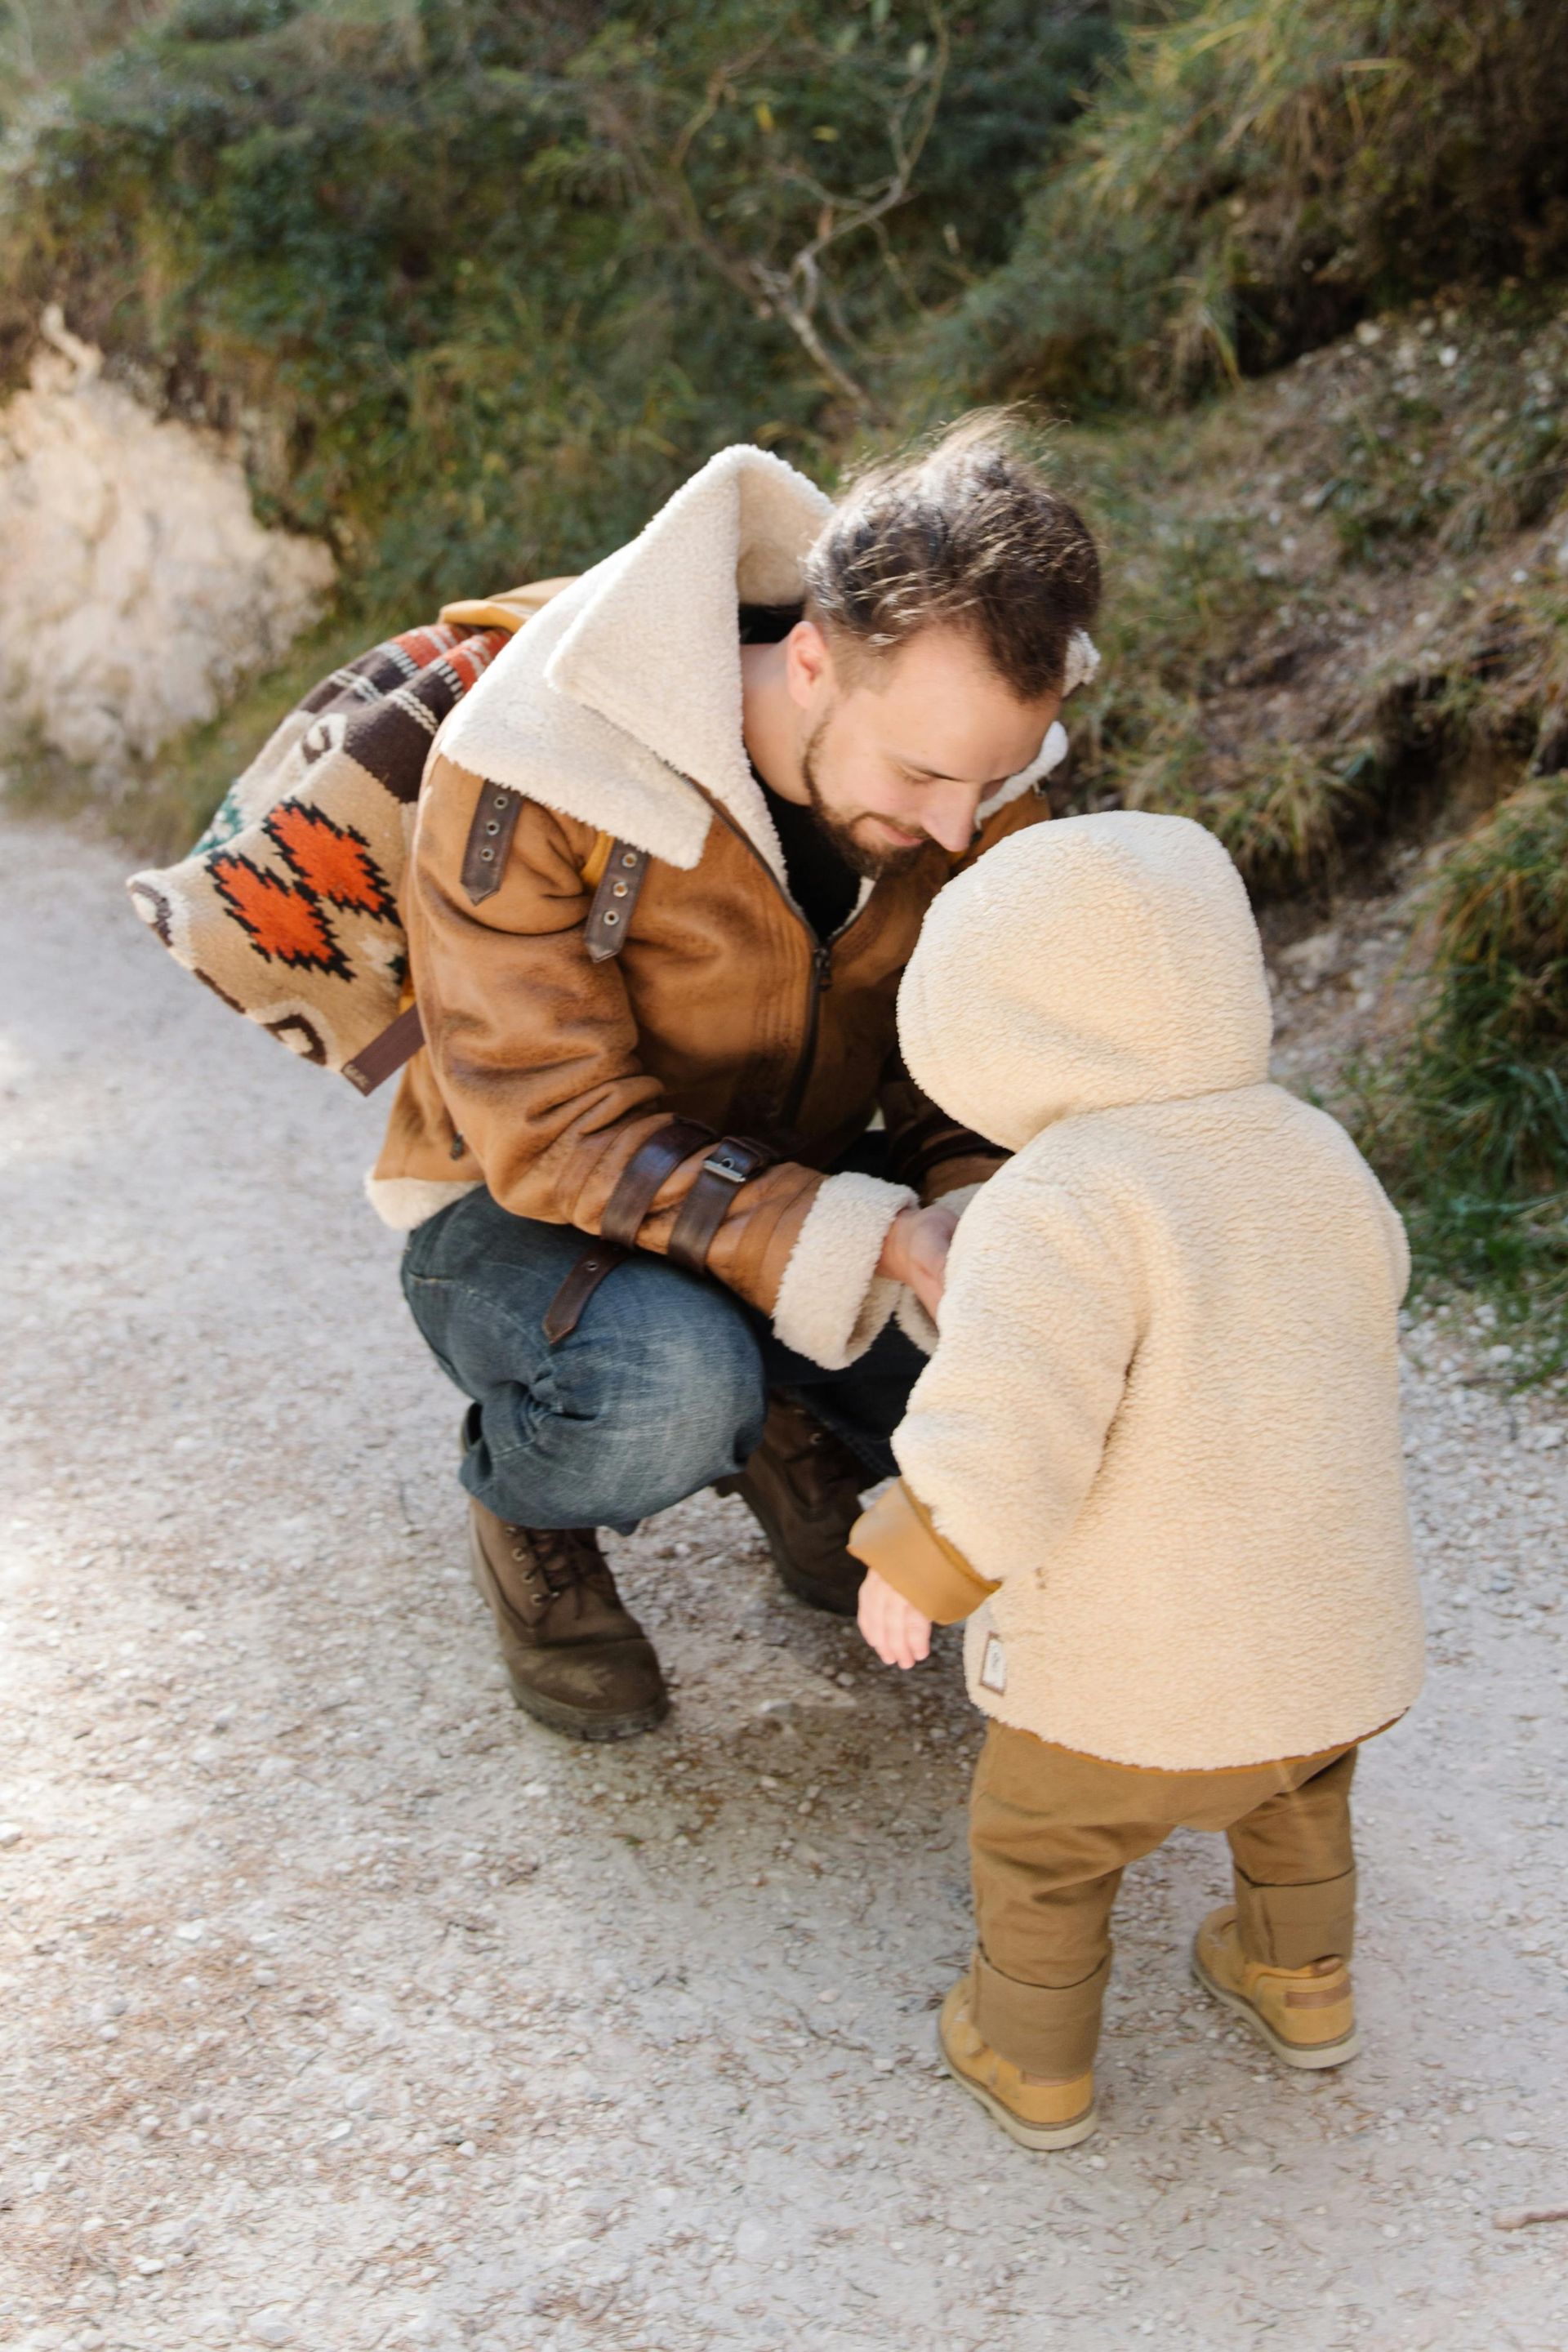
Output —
(1154, 1460)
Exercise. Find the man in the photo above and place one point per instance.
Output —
(673, 852)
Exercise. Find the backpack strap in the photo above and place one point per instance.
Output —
(614, 871)
(398, 1042)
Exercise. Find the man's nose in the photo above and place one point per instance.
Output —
(950, 816)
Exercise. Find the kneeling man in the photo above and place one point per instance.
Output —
(673, 853)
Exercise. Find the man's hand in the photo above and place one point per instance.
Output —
(893, 1626)
(915, 1253)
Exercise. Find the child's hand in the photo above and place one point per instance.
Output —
(896, 1630)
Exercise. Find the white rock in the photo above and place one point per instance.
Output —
(138, 587)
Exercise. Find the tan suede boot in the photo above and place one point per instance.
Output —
(1306, 2016)
(1035, 2112)
(802, 1486)
(575, 1656)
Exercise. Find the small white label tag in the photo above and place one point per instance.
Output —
(993, 1665)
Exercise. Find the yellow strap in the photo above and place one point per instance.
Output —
(508, 610)
(598, 858)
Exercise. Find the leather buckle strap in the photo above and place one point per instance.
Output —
(645, 1175)
(495, 812)
(733, 1161)
(610, 917)
(593, 1261)
(397, 1043)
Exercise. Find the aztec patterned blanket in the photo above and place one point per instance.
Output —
(288, 905)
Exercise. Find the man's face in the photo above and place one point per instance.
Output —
(901, 754)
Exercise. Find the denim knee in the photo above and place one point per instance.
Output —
(658, 1393)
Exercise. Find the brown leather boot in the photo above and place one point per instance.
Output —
(575, 1658)
(803, 1486)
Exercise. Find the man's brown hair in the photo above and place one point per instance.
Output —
(966, 531)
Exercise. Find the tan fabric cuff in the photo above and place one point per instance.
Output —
(897, 1539)
(1049, 2030)
(1291, 1926)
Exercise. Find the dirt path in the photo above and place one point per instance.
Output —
(345, 2009)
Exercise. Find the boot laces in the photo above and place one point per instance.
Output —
(556, 1559)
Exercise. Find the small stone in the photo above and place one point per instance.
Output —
(270, 2327)
(191, 1931)
(9, 1833)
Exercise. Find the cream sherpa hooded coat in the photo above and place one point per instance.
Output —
(1158, 1443)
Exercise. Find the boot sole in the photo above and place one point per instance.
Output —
(573, 1722)
(1327, 2053)
(801, 1587)
(1037, 2136)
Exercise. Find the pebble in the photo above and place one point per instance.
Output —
(9, 1833)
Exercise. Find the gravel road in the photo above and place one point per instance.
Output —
(344, 2008)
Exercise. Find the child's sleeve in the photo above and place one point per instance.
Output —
(1006, 1426)
(1394, 1233)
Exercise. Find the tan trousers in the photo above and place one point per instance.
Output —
(1051, 1834)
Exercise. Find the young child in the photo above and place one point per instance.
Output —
(1154, 1460)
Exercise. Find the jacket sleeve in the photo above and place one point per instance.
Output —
(1398, 1241)
(534, 1047)
(1006, 1426)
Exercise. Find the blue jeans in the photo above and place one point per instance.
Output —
(660, 1390)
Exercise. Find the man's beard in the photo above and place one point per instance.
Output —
(860, 859)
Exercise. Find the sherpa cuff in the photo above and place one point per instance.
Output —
(832, 1302)
(404, 1202)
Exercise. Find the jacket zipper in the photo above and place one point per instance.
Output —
(821, 977)
(821, 980)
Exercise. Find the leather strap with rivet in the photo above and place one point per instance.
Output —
(732, 1160)
(610, 917)
(595, 1260)
(645, 1175)
(397, 1043)
(490, 838)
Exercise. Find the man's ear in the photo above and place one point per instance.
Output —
(808, 665)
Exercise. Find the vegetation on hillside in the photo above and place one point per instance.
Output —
(477, 283)
(483, 282)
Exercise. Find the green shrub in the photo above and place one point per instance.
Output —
(1490, 1084)
(494, 277)
(1262, 173)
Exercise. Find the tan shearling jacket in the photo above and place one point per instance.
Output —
(616, 713)
(1156, 1460)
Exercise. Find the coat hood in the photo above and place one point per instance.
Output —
(1086, 965)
